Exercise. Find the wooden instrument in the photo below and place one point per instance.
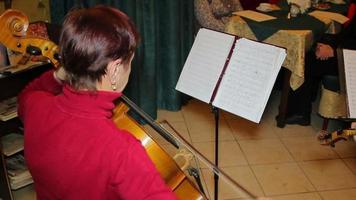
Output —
(169, 170)
(164, 163)
(333, 137)
(14, 25)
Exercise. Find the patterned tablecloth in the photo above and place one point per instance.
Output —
(296, 42)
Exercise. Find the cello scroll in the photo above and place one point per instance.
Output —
(14, 37)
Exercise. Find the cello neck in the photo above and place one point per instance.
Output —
(164, 133)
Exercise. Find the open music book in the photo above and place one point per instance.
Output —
(349, 60)
(233, 74)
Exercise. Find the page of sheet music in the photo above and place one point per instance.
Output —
(350, 79)
(256, 16)
(204, 64)
(249, 79)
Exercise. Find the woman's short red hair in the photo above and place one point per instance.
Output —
(90, 39)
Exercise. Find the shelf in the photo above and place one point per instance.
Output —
(12, 81)
(12, 143)
(8, 109)
(25, 193)
(19, 175)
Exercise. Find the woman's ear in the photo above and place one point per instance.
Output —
(113, 73)
(113, 68)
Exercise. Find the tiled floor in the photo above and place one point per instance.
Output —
(286, 163)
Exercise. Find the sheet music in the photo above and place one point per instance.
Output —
(204, 64)
(350, 79)
(329, 15)
(249, 79)
(256, 16)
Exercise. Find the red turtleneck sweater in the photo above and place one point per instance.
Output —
(74, 150)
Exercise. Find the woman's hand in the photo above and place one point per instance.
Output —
(324, 51)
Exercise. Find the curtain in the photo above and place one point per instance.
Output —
(167, 29)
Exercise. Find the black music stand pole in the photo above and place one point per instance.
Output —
(216, 177)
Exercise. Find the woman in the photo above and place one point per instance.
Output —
(72, 148)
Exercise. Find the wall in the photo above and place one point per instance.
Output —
(36, 10)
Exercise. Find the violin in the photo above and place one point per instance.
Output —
(13, 35)
(336, 136)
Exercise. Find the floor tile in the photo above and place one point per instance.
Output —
(204, 131)
(339, 194)
(197, 110)
(346, 149)
(242, 175)
(265, 151)
(302, 196)
(308, 148)
(351, 163)
(286, 178)
(295, 131)
(230, 153)
(329, 174)
(226, 115)
(244, 129)
(177, 129)
(176, 116)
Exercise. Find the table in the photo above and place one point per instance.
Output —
(296, 42)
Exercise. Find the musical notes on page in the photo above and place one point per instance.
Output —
(350, 79)
(245, 84)
(204, 64)
(249, 79)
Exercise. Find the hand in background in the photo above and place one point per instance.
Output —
(60, 74)
(324, 51)
(353, 125)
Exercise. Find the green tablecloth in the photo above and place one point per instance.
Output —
(263, 30)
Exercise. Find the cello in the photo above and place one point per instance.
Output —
(167, 168)
(171, 173)
(14, 37)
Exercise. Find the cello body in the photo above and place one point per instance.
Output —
(173, 176)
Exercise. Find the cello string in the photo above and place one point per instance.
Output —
(164, 133)
(236, 186)
(177, 137)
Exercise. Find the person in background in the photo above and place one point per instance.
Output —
(72, 147)
(214, 14)
(318, 63)
(353, 125)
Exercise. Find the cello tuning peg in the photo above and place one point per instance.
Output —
(32, 50)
